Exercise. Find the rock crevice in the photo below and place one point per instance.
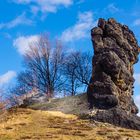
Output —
(111, 86)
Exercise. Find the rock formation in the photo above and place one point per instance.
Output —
(111, 86)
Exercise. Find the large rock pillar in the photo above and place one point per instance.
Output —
(111, 87)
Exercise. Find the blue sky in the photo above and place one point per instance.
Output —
(21, 21)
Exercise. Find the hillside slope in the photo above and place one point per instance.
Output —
(72, 105)
(59, 123)
(27, 124)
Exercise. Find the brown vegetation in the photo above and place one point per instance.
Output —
(26, 124)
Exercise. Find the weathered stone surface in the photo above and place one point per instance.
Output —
(111, 86)
(38, 98)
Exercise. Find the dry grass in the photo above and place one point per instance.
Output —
(26, 124)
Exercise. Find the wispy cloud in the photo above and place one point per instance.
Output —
(136, 22)
(81, 29)
(22, 43)
(7, 77)
(7, 35)
(137, 101)
(137, 78)
(112, 8)
(20, 20)
(80, 1)
(45, 5)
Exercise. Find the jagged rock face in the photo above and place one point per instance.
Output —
(115, 52)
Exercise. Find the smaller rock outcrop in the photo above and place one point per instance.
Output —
(39, 98)
(111, 86)
(32, 97)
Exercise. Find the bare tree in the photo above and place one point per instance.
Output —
(70, 68)
(4, 103)
(77, 70)
(50, 69)
(43, 64)
(84, 67)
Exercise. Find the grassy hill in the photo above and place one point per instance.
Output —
(56, 121)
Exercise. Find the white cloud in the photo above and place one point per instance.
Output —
(112, 8)
(20, 20)
(137, 78)
(22, 43)
(136, 22)
(45, 5)
(137, 101)
(80, 29)
(7, 77)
